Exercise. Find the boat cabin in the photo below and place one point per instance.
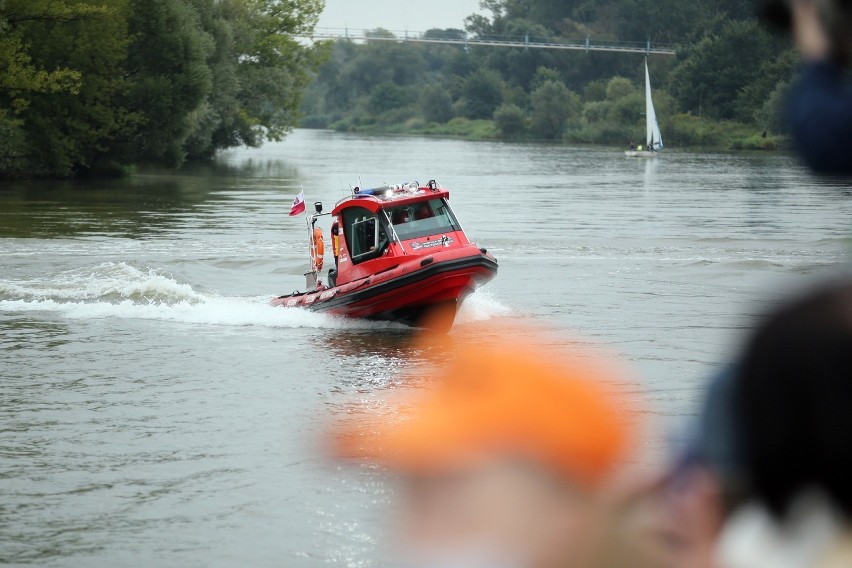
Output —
(381, 227)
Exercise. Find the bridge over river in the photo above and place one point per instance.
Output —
(464, 39)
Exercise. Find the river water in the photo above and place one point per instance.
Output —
(154, 410)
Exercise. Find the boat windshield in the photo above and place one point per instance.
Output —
(422, 219)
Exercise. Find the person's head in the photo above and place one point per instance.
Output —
(400, 216)
(500, 462)
(793, 402)
(423, 212)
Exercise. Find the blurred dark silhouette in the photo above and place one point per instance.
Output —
(794, 402)
(776, 432)
(820, 103)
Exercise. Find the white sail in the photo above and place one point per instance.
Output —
(653, 136)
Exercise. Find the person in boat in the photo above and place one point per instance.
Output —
(502, 461)
(335, 241)
(639, 148)
(317, 248)
(400, 216)
(423, 212)
(632, 146)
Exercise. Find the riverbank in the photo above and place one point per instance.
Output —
(682, 131)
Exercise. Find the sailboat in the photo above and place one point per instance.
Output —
(653, 136)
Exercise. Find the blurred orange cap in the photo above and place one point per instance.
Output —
(503, 399)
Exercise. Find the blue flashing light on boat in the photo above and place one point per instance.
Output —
(376, 192)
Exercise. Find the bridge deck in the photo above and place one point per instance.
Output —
(419, 37)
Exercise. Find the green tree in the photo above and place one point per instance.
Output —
(20, 76)
(667, 21)
(216, 122)
(379, 62)
(552, 105)
(329, 97)
(772, 73)
(771, 114)
(629, 109)
(618, 88)
(542, 76)
(170, 79)
(260, 68)
(594, 91)
(511, 121)
(482, 93)
(69, 130)
(436, 105)
(273, 67)
(597, 111)
(91, 84)
(714, 72)
(388, 96)
(12, 145)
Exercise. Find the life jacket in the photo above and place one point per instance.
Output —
(335, 239)
(317, 249)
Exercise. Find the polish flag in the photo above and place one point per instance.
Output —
(298, 204)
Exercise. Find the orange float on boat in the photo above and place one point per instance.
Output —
(317, 249)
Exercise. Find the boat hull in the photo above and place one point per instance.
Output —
(423, 292)
(642, 154)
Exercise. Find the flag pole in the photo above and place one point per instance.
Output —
(313, 245)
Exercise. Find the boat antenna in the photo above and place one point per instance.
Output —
(393, 232)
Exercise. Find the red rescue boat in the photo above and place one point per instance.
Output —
(403, 257)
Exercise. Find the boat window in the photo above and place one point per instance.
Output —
(422, 219)
(366, 237)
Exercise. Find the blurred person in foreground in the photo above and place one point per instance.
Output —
(820, 104)
(504, 461)
(777, 432)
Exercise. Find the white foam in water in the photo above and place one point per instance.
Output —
(481, 306)
(107, 281)
(118, 290)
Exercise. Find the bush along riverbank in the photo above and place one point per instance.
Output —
(511, 123)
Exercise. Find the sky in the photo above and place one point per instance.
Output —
(412, 15)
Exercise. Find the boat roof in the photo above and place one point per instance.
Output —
(390, 196)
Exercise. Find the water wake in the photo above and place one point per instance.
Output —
(106, 282)
(119, 290)
(481, 306)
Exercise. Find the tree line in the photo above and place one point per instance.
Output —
(725, 87)
(94, 86)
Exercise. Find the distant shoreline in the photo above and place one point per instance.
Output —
(486, 131)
